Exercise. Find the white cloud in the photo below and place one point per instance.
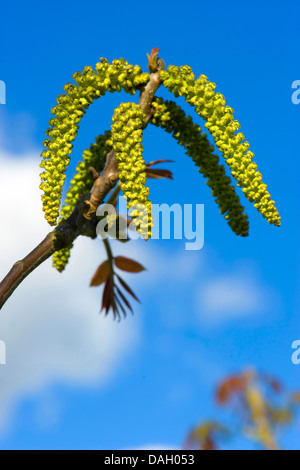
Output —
(51, 324)
(232, 295)
(238, 294)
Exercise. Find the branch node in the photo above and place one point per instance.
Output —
(94, 173)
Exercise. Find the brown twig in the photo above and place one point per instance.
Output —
(83, 219)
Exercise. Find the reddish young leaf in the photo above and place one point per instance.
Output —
(208, 444)
(107, 298)
(152, 59)
(161, 160)
(229, 388)
(128, 264)
(121, 306)
(124, 299)
(126, 287)
(115, 308)
(158, 174)
(101, 274)
(206, 436)
(154, 52)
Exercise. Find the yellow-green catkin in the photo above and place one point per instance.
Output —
(173, 119)
(127, 135)
(221, 124)
(82, 181)
(61, 258)
(90, 85)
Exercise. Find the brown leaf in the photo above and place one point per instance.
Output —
(101, 274)
(206, 436)
(161, 160)
(115, 308)
(107, 298)
(128, 264)
(126, 287)
(152, 59)
(230, 388)
(124, 299)
(121, 306)
(158, 174)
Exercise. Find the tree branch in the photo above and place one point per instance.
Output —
(83, 220)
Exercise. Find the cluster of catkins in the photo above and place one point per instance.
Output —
(71, 107)
(221, 124)
(127, 135)
(95, 157)
(173, 119)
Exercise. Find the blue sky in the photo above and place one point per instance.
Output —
(74, 379)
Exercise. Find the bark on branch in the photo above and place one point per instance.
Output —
(83, 219)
